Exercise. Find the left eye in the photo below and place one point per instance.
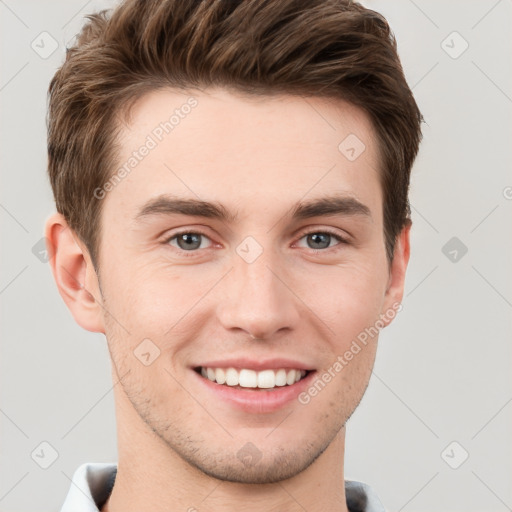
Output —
(321, 240)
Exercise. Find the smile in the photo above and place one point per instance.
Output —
(252, 391)
(246, 378)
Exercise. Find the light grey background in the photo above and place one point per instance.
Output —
(443, 369)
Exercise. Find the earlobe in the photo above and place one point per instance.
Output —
(396, 282)
(74, 274)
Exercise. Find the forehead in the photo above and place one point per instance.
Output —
(252, 150)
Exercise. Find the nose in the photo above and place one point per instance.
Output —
(257, 298)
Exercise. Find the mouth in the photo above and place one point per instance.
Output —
(255, 385)
(244, 378)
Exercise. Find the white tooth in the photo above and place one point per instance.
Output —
(220, 375)
(266, 379)
(231, 377)
(280, 377)
(290, 377)
(248, 378)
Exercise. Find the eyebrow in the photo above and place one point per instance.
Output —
(331, 205)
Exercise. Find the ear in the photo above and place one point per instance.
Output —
(74, 274)
(395, 286)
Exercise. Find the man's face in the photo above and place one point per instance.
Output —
(176, 303)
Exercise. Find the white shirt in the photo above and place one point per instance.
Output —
(93, 481)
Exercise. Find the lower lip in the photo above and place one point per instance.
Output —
(257, 401)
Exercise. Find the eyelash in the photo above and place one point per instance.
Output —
(192, 253)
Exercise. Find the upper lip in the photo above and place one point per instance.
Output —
(256, 365)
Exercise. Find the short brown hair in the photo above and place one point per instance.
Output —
(329, 48)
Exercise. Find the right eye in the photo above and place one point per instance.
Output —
(188, 241)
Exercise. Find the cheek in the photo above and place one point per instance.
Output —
(347, 299)
(152, 298)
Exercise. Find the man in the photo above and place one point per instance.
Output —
(231, 180)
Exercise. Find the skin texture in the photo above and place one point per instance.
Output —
(258, 157)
